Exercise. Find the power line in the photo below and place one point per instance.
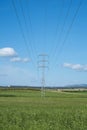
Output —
(21, 29)
(31, 29)
(26, 24)
(62, 29)
(45, 27)
(69, 29)
(23, 14)
(57, 27)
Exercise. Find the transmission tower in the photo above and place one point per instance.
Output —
(43, 64)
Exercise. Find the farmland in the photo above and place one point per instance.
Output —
(27, 110)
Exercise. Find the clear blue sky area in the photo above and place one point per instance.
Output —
(29, 28)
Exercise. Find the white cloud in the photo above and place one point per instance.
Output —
(76, 66)
(25, 60)
(6, 52)
(18, 59)
(67, 65)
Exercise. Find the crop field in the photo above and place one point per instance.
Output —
(27, 110)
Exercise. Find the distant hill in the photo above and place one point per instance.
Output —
(76, 86)
(73, 86)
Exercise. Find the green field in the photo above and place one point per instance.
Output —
(27, 110)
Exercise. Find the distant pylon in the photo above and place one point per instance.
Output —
(43, 64)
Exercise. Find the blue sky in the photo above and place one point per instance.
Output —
(29, 28)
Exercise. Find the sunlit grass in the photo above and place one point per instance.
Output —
(27, 110)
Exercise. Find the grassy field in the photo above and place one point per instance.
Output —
(27, 110)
